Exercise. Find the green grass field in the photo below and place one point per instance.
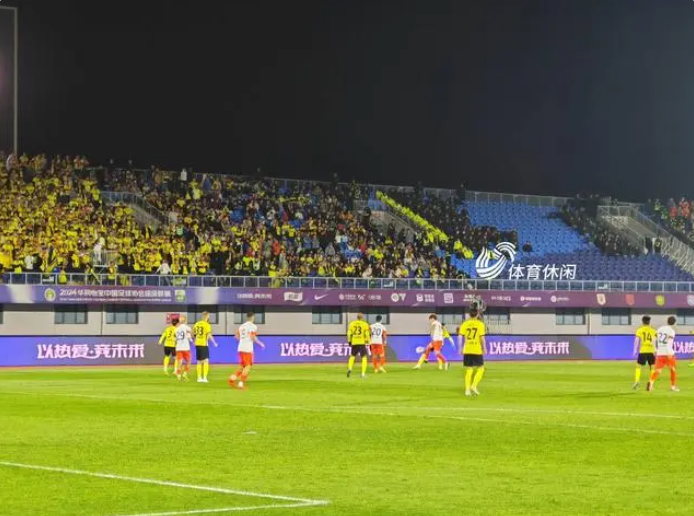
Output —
(544, 438)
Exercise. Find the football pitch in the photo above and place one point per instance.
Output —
(543, 438)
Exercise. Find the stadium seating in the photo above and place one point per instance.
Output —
(225, 225)
(554, 242)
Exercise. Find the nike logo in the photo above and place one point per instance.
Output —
(318, 298)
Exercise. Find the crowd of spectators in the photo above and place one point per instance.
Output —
(56, 221)
(449, 216)
(579, 217)
(677, 217)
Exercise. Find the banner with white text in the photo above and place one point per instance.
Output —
(81, 351)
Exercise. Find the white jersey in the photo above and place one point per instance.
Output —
(665, 341)
(436, 331)
(378, 333)
(246, 332)
(183, 336)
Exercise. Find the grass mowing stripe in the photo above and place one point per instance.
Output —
(346, 410)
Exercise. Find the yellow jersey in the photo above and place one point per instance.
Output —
(202, 331)
(472, 331)
(359, 333)
(168, 338)
(646, 336)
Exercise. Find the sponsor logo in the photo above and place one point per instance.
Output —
(601, 299)
(690, 300)
(295, 297)
(341, 297)
(553, 299)
(49, 295)
(448, 298)
(630, 299)
(531, 299)
(180, 296)
(504, 253)
(397, 297)
(318, 298)
(660, 300)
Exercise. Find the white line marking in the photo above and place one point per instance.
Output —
(347, 410)
(293, 501)
(528, 411)
(358, 407)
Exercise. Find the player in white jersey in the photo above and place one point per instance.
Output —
(379, 338)
(436, 331)
(247, 335)
(665, 354)
(184, 337)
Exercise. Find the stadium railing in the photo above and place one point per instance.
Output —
(137, 200)
(155, 280)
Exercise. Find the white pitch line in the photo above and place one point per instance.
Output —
(343, 410)
(358, 407)
(528, 411)
(293, 502)
(223, 509)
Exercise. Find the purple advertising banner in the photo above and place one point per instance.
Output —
(81, 351)
(340, 297)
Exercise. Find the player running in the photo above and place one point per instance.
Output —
(644, 346)
(472, 332)
(436, 331)
(203, 335)
(665, 354)
(247, 335)
(446, 336)
(379, 337)
(358, 336)
(183, 340)
(168, 339)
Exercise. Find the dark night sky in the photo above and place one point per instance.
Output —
(532, 96)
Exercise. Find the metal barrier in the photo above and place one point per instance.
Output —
(154, 280)
(137, 200)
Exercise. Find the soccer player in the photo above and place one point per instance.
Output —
(247, 335)
(379, 337)
(168, 339)
(446, 336)
(472, 346)
(358, 336)
(665, 354)
(183, 340)
(436, 331)
(644, 346)
(203, 335)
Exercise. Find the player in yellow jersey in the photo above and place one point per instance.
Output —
(644, 348)
(358, 336)
(168, 340)
(202, 331)
(471, 340)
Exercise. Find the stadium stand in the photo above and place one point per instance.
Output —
(60, 221)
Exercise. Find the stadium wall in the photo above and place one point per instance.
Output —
(40, 320)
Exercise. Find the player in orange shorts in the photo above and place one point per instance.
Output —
(184, 337)
(379, 337)
(436, 330)
(247, 334)
(665, 354)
